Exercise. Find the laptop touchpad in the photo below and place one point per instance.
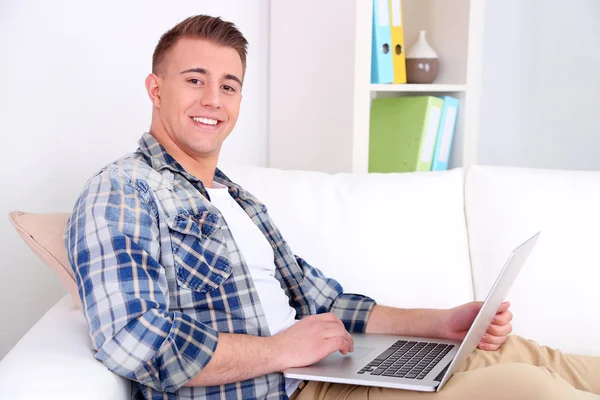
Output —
(356, 355)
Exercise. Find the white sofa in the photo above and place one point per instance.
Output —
(409, 240)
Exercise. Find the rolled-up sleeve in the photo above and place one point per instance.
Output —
(352, 309)
(113, 248)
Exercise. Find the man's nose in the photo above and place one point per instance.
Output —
(211, 96)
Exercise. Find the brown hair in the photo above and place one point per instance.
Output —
(221, 32)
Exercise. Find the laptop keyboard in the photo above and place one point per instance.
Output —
(407, 359)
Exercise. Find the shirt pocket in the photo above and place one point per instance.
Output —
(199, 251)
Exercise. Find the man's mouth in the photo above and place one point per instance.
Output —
(206, 122)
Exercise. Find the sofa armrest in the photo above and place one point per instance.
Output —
(54, 361)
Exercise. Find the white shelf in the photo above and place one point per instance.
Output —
(432, 88)
(454, 29)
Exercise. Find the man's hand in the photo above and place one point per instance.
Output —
(239, 357)
(311, 340)
(458, 320)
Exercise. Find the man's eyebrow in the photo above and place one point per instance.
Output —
(233, 78)
(203, 71)
(198, 70)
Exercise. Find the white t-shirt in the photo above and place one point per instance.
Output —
(259, 257)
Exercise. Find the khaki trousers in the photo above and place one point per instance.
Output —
(520, 370)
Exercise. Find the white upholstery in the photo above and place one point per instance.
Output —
(400, 238)
(53, 361)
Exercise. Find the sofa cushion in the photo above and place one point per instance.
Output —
(54, 361)
(555, 297)
(43, 233)
(399, 238)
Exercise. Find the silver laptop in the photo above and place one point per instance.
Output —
(414, 363)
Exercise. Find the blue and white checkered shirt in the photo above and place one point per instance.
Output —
(160, 275)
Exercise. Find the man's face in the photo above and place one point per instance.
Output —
(200, 93)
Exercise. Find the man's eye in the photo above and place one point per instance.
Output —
(229, 88)
(194, 81)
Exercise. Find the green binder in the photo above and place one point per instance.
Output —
(403, 131)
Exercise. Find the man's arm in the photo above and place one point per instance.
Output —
(406, 322)
(361, 314)
(451, 324)
(240, 357)
(237, 358)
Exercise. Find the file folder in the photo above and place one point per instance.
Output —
(382, 70)
(403, 132)
(446, 130)
(397, 34)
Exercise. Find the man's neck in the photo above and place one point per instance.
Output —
(201, 168)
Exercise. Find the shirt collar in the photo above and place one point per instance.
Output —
(157, 155)
(160, 159)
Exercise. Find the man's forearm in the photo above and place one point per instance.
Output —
(405, 322)
(237, 358)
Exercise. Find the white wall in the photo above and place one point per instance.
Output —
(311, 87)
(73, 99)
(540, 84)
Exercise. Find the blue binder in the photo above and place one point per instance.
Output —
(382, 70)
(445, 134)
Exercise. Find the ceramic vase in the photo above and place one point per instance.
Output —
(422, 62)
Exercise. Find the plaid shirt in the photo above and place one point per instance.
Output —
(160, 275)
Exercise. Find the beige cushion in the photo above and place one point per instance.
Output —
(43, 233)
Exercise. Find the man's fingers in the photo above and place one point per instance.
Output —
(492, 342)
(333, 325)
(493, 339)
(334, 330)
(488, 346)
(503, 307)
(500, 330)
(503, 318)
(338, 343)
(336, 335)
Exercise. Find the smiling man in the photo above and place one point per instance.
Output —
(196, 95)
(190, 291)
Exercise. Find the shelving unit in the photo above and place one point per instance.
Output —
(416, 88)
(320, 90)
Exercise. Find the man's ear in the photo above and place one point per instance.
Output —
(153, 84)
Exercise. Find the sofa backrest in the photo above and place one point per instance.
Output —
(556, 296)
(399, 238)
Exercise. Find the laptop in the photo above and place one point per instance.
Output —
(414, 363)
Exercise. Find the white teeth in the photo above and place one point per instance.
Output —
(206, 121)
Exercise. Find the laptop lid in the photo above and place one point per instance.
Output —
(494, 299)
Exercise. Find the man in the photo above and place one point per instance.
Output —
(189, 289)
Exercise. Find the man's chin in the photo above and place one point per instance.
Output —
(198, 145)
(204, 150)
